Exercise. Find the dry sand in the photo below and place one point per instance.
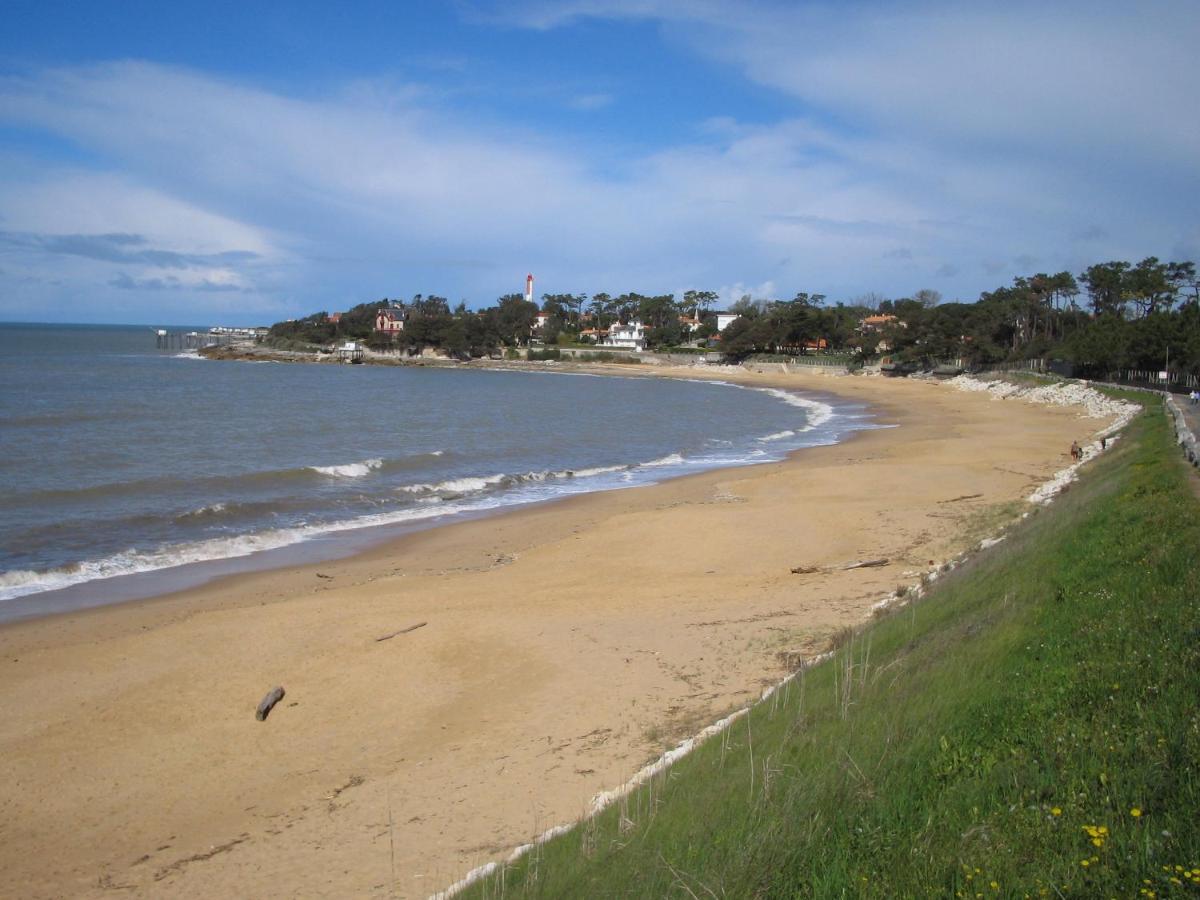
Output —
(565, 647)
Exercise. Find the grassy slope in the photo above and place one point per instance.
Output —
(964, 745)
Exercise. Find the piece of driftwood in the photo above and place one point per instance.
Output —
(856, 564)
(388, 637)
(268, 702)
(865, 564)
(963, 497)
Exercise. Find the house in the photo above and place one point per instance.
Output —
(724, 318)
(540, 320)
(631, 334)
(876, 324)
(335, 318)
(390, 319)
(872, 324)
(689, 324)
(595, 335)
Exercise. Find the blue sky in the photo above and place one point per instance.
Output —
(239, 163)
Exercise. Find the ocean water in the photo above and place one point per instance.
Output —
(117, 459)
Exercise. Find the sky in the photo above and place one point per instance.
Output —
(242, 163)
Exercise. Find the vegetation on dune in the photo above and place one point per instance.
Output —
(1113, 316)
(1027, 729)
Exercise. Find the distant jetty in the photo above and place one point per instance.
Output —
(217, 336)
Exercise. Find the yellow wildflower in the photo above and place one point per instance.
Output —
(1136, 813)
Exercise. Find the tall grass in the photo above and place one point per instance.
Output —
(1030, 728)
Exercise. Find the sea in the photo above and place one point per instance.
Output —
(127, 471)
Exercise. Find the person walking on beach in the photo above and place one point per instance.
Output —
(1076, 451)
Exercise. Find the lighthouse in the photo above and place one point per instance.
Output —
(529, 288)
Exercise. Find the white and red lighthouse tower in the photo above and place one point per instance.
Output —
(529, 288)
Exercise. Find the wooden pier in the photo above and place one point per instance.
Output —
(165, 339)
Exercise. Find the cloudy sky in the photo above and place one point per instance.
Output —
(203, 163)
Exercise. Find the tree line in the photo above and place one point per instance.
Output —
(431, 322)
(1112, 315)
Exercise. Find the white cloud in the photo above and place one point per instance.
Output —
(77, 201)
(730, 294)
(1025, 74)
(921, 142)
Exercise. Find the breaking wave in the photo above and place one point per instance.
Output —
(817, 413)
(777, 436)
(671, 459)
(350, 470)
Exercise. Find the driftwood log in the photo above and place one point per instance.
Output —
(388, 637)
(857, 564)
(268, 702)
(866, 564)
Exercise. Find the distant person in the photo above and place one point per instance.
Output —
(1103, 443)
(1076, 451)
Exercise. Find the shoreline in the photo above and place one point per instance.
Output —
(333, 541)
(565, 645)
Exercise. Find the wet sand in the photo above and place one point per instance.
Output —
(563, 647)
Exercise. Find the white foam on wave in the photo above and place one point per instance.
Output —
(818, 413)
(19, 582)
(350, 470)
(454, 485)
(671, 459)
(211, 509)
(473, 484)
(777, 436)
(598, 470)
(129, 562)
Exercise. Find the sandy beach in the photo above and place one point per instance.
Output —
(560, 649)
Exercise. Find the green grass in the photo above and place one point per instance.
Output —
(1030, 728)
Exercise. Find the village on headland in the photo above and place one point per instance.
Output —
(1116, 320)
